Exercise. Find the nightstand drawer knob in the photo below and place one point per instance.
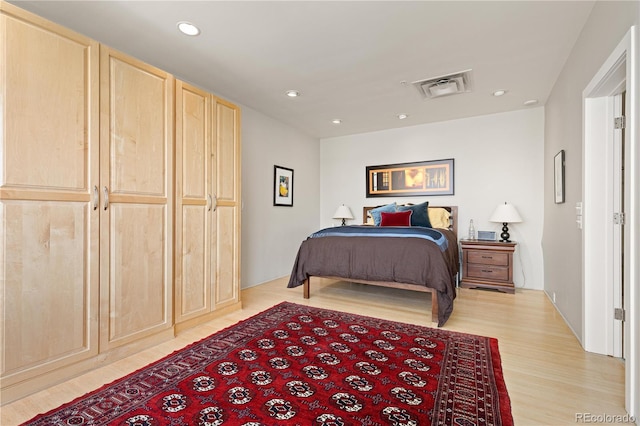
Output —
(487, 257)
(488, 271)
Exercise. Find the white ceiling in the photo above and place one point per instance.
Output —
(348, 59)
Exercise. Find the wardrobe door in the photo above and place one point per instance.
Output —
(227, 213)
(136, 168)
(48, 218)
(194, 203)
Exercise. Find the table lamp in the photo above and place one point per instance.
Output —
(343, 212)
(505, 214)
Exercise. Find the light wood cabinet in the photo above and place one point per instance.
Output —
(227, 182)
(136, 227)
(194, 272)
(207, 206)
(88, 189)
(49, 163)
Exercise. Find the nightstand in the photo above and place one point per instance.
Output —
(487, 264)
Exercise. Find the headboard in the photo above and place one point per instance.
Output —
(453, 219)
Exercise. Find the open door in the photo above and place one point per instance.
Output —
(618, 226)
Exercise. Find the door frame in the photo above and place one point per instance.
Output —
(617, 251)
(619, 72)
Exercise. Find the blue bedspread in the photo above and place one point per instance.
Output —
(385, 231)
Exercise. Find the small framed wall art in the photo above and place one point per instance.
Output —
(558, 177)
(411, 179)
(283, 186)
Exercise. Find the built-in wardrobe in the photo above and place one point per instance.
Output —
(119, 204)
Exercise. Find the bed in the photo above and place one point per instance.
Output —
(424, 264)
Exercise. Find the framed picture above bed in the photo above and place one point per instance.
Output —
(411, 179)
(282, 186)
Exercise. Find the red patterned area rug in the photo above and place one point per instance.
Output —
(299, 365)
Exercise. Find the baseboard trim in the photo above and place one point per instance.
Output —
(578, 337)
(21, 389)
(207, 317)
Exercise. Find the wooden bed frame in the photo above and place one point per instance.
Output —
(453, 226)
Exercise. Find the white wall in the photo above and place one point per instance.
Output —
(271, 235)
(607, 25)
(562, 241)
(498, 158)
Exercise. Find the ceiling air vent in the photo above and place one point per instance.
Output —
(445, 85)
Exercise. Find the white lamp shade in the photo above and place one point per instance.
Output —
(505, 213)
(343, 212)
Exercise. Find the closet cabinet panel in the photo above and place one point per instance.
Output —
(137, 289)
(227, 218)
(139, 123)
(227, 254)
(49, 230)
(228, 150)
(49, 87)
(45, 286)
(136, 167)
(193, 129)
(194, 268)
(194, 203)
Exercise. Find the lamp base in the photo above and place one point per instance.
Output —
(344, 222)
(505, 233)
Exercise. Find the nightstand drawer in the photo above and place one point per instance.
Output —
(488, 257)
(488, 272)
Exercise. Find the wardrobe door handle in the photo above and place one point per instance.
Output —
(106, 198)
(215, 202)
(96, 196)
(209, 202)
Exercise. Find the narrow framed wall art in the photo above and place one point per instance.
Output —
(558, 177)
(283, 186)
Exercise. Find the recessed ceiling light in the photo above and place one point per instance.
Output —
(336, 121)
(292, 93)
(499, 92)
(531, 102)
(402, 116)
(188, 28)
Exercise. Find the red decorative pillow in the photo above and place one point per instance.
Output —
(396, 219)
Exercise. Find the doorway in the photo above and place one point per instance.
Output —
(603, 201)
(618, 226)
(610, 239)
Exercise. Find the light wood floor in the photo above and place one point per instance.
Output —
(549, 377)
